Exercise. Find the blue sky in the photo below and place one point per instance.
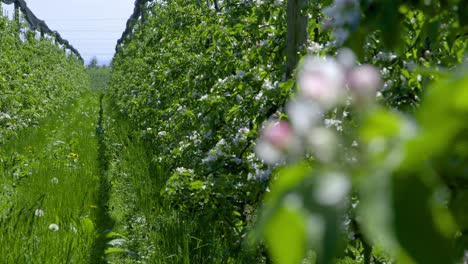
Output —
(91, 26)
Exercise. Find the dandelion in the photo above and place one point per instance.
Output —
(53, 227)
(39, 213)
(54, 180)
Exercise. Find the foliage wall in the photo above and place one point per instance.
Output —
(198, 82)
(37, 77)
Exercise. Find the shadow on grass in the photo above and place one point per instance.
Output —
(104, 222)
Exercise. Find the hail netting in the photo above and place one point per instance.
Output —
(137, 12)
(37, 24)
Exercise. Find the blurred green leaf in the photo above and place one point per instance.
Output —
(286, 236)
(286, 179)
(380, 124)
(87, 225)
(414, 224)
(196, 185)
(113, 250)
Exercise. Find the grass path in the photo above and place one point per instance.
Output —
(84, 187)
(51, 195)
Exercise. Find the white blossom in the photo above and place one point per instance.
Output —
(322, 80)
(332, 189)
(364, 81)
(267, 152)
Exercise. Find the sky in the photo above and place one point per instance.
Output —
(91, 26)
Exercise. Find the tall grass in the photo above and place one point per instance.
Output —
(50, 181)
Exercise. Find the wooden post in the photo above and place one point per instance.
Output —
(296, 33)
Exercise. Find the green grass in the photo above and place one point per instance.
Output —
(50, 175)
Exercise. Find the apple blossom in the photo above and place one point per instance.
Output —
(303, 115)
(267, 152)
(277, 137)
(322, 80)
(279, 134)
(346, 58)
(364, 81)
(332, 189)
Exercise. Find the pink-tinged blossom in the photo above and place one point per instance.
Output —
(279, 134)
(322, 80)
(364, 81)
(277, 137)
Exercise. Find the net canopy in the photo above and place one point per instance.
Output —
(137, 13)
(39, 25)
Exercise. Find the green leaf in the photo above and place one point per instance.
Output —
(287, 86)
(461, 96)
(286, 179)
(286, 237)
(414, 225)
(87, 225)
(113, 234)
(380, 124)
(113, 250)
(196, 185)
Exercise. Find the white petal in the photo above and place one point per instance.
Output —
(332, 189)
(267, 152)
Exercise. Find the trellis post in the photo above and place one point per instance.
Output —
(296, 36)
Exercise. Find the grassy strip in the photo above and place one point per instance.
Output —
(146, 229)
(50, 182)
